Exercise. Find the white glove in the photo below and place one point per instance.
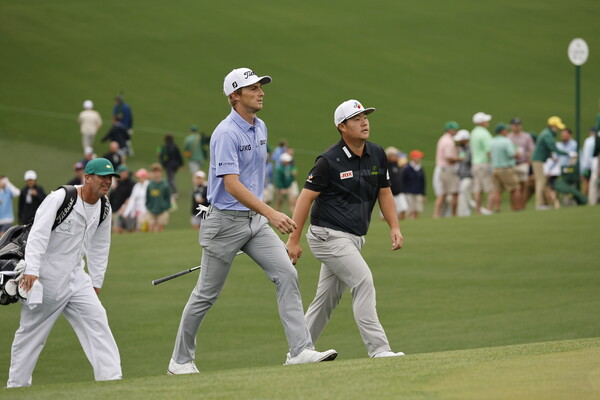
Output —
(202, 211)
(20, 270)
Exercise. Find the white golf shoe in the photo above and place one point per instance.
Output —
(181, 369)
(388, 354)
(311, 356)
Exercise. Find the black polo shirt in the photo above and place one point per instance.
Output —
(348, 187)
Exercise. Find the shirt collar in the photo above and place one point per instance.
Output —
(241, 122)
(349, 153)
(416, 167)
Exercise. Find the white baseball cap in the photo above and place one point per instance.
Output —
(242, 77)
(286, 157)
(30, 175)
(349, 109)
(480, 117)
(200, 174)
(88, 104)
(88, 150)
(462, 134)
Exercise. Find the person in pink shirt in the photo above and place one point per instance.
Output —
(524, 146)
(446, 157)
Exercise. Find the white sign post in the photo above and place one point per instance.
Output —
(578, 52)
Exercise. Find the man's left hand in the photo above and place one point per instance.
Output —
(397, 238)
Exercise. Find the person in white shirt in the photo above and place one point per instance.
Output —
(90, 122)
(135, 206)
(54, 275)
(587, 155)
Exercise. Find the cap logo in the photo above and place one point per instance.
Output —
(357, 105)
(248, 74)
(234, 84)
(107, 166)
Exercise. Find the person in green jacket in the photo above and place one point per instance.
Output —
(285, 175)
(158, 200)
(544, 147)
(193, 151)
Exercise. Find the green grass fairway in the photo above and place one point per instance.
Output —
(506, 279)
(552, 370)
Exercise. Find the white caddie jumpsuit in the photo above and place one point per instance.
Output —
(56, 257)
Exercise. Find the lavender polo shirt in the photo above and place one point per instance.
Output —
(236, 147)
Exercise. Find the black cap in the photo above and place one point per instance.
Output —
(515, 121)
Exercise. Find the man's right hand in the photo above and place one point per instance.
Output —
(282, 222)
(26, 282)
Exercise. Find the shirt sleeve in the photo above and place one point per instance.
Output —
(318, 177)
(226, 154)
(97, 254)
(384, 175)
(39, 236)
(551, 145)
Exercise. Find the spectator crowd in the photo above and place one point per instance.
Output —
(474, 171)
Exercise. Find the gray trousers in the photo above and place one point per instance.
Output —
(223, 233)
(343, 267)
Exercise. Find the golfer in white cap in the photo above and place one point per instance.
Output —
(345, 182)
(238, 220)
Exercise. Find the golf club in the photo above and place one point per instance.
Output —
(184, 272)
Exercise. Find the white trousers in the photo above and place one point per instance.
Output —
(343, 267)
(88, 318)
(465, 197)
(593, 191)
(87, 140)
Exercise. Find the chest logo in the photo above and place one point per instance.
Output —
(66, 227)
(245, 147)
(346, 175)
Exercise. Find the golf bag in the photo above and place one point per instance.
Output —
(12, 244)
(12, 250)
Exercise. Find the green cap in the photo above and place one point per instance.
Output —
(194, 128)
(451, 125)
(500, 127)
(122, 168)
(100, 166)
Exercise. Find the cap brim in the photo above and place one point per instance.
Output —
(365, 111)
(110, 173)
(262, 79)
(265, 79)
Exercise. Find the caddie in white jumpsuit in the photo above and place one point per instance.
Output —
(55, 269)
(238, 219)
(346, 181)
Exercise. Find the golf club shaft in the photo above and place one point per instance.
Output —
(168, 278)
(187, 271)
